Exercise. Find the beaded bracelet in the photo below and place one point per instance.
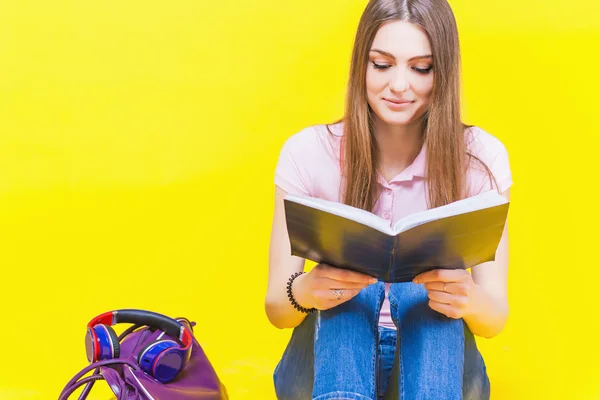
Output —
(291, 296)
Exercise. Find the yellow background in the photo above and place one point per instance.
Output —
(138, 141)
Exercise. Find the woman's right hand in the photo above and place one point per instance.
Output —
(325, 287)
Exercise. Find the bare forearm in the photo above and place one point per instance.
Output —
(489, 316)
(279, 309)
(282, 314)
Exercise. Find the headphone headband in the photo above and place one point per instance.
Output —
(170, 326)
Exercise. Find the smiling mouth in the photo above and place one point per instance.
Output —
(398, 101)
(397, 105)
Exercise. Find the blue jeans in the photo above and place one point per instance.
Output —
(386, 351)
(340, 353)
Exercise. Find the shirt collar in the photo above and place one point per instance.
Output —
(417, 168)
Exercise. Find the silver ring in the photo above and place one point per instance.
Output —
(338, 293)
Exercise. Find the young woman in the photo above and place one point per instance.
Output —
(401, 148)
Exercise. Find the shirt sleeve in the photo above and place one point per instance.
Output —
(492, 152)
(293, 172)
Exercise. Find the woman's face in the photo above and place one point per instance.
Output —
(399, 75)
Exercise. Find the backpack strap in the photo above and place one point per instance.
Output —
(86, 390)
(89, 379)
(90, 367)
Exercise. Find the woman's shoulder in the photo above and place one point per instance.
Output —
(313, 132)
(315, 139)
(308, 160)
(490, 151)
(483, 144)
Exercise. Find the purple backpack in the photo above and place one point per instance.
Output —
(157, 358)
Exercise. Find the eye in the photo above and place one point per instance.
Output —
(380, 66)
(423, 71)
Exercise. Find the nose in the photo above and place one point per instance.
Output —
(399, 83)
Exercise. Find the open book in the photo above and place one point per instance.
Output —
(461, 234)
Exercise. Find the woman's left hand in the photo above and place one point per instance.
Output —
(450, 292)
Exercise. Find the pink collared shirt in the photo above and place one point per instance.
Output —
(309, 164)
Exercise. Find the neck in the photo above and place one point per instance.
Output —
(398, 146)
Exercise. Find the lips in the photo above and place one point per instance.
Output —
(397, 105)
(395, 101)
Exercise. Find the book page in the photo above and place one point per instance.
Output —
(481, 201)
(345, 211)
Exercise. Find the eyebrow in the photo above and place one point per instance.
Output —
(390, 55)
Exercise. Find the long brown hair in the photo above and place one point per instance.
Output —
(443, 130)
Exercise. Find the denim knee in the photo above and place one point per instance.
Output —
(294, 375)
(476, 383)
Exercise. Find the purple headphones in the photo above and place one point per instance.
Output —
(162, 359)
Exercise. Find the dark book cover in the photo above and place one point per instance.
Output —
(453, 242)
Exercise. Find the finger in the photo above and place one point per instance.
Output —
(341, 295)
(442, 275)
(328, 283)
(448, 310)
(344, 275)
(449, 287)
(448, 298)
(439, 286)
(337, 296)
(440, 297)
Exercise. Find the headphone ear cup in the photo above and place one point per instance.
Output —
(162, 360)
(147, 356)
(115, 342)
(107, 343)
